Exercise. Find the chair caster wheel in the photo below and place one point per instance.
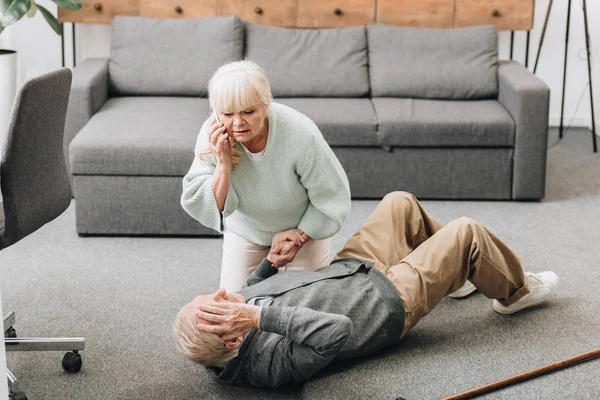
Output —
(10, 333)
(17, 396)
(72, 362)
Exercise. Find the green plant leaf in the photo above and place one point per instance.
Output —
(12, 10)
(32, 9)
(51, 20)
(69, 4)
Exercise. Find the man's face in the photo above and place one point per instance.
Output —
(220, 295)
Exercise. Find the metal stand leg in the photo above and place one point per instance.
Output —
(587, 46)
(74, 57)
(537, 58)
(13, 383)
(562, 107)
(62, 44)
(527, 50)
(512, 42)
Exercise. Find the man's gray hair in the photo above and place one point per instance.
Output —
(203, 348)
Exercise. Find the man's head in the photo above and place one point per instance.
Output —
(204, 348)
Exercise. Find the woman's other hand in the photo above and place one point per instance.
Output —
(294, 235)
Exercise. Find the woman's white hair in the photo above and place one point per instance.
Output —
(203, 348)
(238, 86)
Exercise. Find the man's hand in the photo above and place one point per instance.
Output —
(231, 319)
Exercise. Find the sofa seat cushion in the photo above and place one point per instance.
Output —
(343, 122)
(311, 62)
(170, 57)
(443, 123)
(153, 136)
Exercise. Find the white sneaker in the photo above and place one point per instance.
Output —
(541, 287)
(464, 291)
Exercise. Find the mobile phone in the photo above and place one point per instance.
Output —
(219, 121)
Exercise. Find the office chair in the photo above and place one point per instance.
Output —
(35, 190)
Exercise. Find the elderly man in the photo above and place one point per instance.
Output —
(282, 328)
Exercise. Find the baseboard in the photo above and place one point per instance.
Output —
(578, 122)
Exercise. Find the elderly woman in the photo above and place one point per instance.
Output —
(265, 177)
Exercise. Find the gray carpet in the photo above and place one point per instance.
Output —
(122, 294)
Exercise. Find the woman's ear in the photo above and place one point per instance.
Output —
(233, 343)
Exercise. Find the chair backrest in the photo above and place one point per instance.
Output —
(33, 175)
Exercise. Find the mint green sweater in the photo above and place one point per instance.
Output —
(298, 183)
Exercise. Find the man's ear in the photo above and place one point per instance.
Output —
(233, 343)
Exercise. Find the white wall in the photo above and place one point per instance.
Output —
(40, 51)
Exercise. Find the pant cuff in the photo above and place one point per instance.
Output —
(518, 295)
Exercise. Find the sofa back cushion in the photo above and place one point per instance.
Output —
(459, 63)
(311, 62)
(171, 57)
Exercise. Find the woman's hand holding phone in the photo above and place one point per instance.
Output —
(220, 144)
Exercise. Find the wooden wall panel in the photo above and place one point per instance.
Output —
(505, 14)
(99, 11)
(337, 13)
(264, 12)
(178, 8)
(416, 13)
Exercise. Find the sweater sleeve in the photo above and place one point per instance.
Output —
(198, 198)
(264, 271)
(328, 190)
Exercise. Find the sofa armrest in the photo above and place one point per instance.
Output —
(89, 91)
(527, 99)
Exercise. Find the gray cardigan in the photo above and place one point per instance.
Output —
(346, 309)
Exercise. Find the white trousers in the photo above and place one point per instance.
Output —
(240, 258)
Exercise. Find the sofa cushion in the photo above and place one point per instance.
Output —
(152, 136)
(343, 122)
(171, 57)
(311, 63)
(444, 123)
(459, 63)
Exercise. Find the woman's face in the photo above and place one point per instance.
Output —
(246, 126)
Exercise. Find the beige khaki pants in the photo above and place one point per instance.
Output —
(427, 261)
(241, 257)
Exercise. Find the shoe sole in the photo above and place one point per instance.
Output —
(460, 293)
(504, 311)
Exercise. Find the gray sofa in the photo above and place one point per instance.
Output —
(429, 111)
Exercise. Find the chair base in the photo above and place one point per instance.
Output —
(71, 361)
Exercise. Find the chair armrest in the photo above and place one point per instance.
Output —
(89, 91)
(527, 99)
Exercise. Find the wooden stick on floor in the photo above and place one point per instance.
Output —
(534, 373)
